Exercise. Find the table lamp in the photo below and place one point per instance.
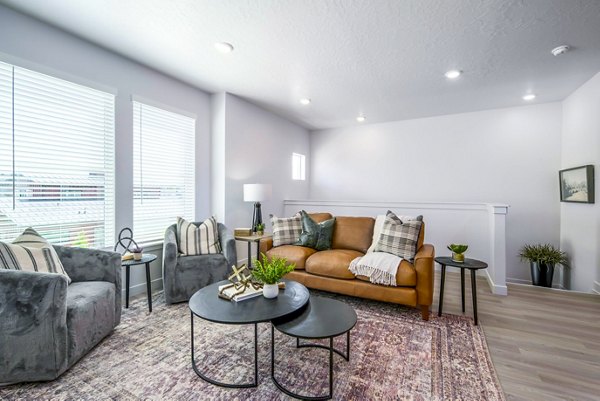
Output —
(257, 193)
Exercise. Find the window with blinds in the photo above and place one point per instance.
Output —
(163, 170)
(56, 159)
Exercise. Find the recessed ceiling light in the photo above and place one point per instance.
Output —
(529, 96)
(305, 101)
(453, 74)
(224, 47)
(361, 119)
(557, 51)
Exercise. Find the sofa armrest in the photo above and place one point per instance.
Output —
(265, 244)
(227, 245)
(425, 274)
(85, 264)
(33, 326)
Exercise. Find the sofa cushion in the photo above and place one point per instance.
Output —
(31, 252)
(399, 238)
(354, 233)
(332, 263)
(198, 238)
(293, 253)
(286, 230)
(406, 276)
(90, 316)
(379, 226)
(316, 235)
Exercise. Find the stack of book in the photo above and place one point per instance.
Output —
(242, 232)
(231, 293)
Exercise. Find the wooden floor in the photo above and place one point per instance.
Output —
(545, 343)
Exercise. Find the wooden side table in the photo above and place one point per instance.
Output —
(473, 265)
(250, 239)
(147, 258)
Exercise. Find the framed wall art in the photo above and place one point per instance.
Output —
(577, 184)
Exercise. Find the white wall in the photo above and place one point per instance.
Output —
(38, 46)
(580, 223)
(506, 156)
(258, 147)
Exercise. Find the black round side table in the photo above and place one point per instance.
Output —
(207, 305)
(322, 318)
(471, 264)
(147, 258)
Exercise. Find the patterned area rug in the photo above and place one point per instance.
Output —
(394, 355)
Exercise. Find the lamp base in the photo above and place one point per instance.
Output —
(256, 217)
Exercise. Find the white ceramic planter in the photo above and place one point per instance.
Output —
(270, 290)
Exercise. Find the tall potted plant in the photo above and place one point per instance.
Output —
(542, 260)
(269, 272)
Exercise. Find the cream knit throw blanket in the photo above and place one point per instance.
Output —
(380, 267)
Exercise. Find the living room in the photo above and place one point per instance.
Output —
(465, 113)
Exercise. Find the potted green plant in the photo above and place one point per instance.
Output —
(269, 272)
(458, 252)
(260, 228)
(542, 260)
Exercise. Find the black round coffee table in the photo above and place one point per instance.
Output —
(207, 305)
(322, 318)
(471, 264)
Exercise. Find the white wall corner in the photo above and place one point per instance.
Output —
(596, 287)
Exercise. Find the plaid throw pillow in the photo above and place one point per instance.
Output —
(399, 238)
(198, 239)
(286, 230)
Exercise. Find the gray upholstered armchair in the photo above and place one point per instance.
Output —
(184, 275)
(46, 325)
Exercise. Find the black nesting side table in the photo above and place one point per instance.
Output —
(471, 264)
(207, 305)
(322, 318)
(147, 258)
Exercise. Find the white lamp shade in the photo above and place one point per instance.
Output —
(257, 192)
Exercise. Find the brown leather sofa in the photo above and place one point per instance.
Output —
(352, 236)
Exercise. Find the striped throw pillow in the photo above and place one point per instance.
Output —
(286, 230)
(399, 238)
(31, 252)
(200, 239)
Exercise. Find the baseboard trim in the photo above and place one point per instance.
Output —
(495, 288)
(528, 282)
(156, 285)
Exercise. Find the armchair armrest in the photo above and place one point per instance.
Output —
(33, 325)
(227, 245)
(83, 264)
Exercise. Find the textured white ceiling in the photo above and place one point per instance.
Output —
(383, 58)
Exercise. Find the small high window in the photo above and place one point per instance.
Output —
(298, 166)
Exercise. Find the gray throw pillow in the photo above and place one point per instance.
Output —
(316, 235)
(399, 238)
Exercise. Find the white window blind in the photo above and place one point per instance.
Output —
(56, 159)
(298, 166)
(163, 171)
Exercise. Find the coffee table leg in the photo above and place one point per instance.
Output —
(218, 383)
(474, 290)
(298, 345)
(443, 278)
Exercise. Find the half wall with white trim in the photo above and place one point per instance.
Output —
(481, 225)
